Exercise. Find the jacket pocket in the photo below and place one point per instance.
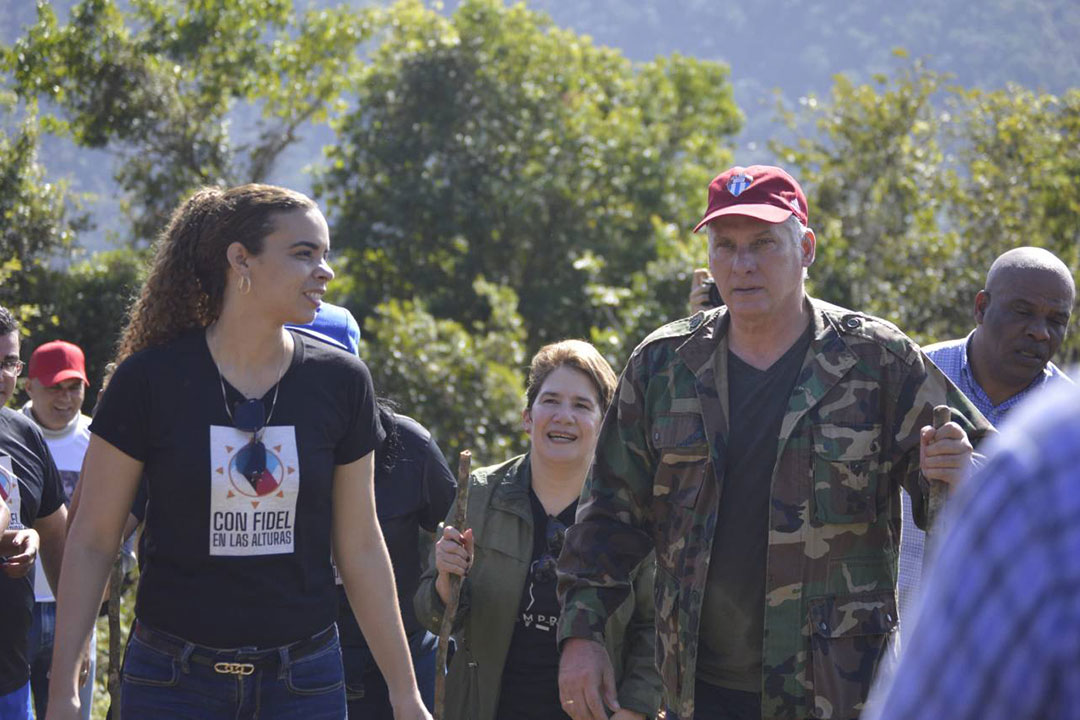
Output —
(845, 468)
(679, 440)
(848, 637)
(146, 665)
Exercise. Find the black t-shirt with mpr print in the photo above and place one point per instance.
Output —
(530, 679)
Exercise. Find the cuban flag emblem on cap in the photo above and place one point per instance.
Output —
(737, 184)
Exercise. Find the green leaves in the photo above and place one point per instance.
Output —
(465, 383)
(492, 143)
(916, 186)
(164, 83)
(38, 219)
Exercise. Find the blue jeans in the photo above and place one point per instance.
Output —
(168, 678)
(39, 652)
(16, 704)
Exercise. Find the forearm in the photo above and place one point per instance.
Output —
(53, 531)
(86, 569)
(639, 686)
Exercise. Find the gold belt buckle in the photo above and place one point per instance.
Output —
(234, 668)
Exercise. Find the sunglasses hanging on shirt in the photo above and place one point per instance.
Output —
(251, 416)
(554, 535)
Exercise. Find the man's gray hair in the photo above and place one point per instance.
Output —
(795, 229)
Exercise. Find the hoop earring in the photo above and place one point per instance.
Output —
(244, 286)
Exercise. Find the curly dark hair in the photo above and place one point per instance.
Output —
(186, 284)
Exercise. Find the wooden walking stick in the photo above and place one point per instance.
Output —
(115, 590)
(461, 510)
(939, 491)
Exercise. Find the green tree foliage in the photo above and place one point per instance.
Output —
(86, 304)
(464, 382)
(915, 187)
(38, 219)
(161, 83)
(493, 144)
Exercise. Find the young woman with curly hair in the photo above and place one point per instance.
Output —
(256, 447)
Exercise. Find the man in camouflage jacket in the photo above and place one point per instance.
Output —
(848, 440)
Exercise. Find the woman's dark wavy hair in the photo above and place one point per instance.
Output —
(186, 284)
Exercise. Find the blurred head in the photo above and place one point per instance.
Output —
(570, 388)
(209, 252)
(1021, 318)
(10, 364)
(57, 383)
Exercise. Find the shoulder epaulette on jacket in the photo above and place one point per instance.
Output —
(869, 327)
(679, 328)
(492, 473)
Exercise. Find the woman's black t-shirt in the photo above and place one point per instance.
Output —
(530, 678)
(231, 561)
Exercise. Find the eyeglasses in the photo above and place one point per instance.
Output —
(543, 570)
(12, 366)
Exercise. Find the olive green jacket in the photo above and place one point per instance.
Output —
(500, 516)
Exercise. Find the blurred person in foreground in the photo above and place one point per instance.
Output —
(1021, 317)
(256, 445)
(760, 448)
(506, 663)
(30, 486)
(997, 630)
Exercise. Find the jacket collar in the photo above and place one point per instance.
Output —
(511, 491)
(827, 361)
(705, 354)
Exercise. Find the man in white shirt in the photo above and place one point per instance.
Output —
(56, 386)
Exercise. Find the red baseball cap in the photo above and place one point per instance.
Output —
(763, 192)
(57, 361)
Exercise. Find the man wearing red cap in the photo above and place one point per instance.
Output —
(56, 386)
(760, 448)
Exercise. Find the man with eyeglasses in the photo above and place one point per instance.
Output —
(31, 487)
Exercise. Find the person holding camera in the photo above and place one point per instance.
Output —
(704, 294)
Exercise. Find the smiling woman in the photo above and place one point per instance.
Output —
(255, 445)
(507, 661)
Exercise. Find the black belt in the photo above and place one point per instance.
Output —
(235, 661)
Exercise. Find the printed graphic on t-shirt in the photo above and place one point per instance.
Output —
(253, 513)
(9, 491)
(541, 612)
(69, 478)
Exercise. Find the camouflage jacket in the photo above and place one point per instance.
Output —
(848, 441)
